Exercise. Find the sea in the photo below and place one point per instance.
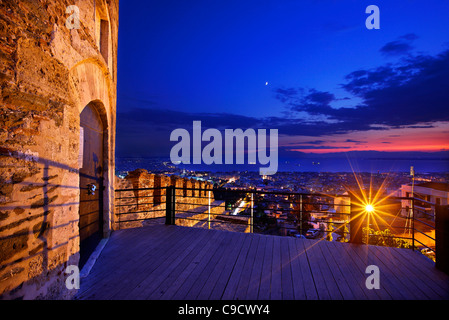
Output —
(369, 165)
(335, 165)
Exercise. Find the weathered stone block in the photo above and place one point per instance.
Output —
(48, 75)
(14, 244)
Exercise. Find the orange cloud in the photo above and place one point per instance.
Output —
(393, 140)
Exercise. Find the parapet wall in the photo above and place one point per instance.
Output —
(133, 207)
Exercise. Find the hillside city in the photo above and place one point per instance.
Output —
(331, 183)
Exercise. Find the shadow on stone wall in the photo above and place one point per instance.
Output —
(38, 236)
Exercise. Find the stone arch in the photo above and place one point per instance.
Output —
(91, 163)
(91, 81)
(91, 85)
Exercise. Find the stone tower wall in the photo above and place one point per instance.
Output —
(48, 74)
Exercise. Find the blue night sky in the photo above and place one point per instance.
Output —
(333, 85)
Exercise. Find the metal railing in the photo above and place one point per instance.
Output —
(292, 213)
(419, 214)
(301, 215)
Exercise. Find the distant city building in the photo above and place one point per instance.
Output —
(342, 205)
(429, 195)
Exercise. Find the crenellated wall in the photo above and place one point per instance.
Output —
(134, 206)
(194, 201)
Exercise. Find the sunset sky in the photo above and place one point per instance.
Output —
(310, 69)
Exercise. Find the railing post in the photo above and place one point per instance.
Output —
(208, 211)
(356, 222)
(173, 206)
(300, 214)
(170, 205)
(442, 237)
(413, 224)
(252, 212)
(120, 211)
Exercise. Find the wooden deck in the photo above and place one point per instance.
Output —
(172, 262)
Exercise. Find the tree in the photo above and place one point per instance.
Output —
(342, 232)
(383, 238)
(330, 229)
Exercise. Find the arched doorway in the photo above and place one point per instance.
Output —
(91, 181)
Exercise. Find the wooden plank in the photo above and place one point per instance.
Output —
(393, 269)
(215, 284)
(265, 281)
(172, 262)
(426, 269)
(397, 283)
(168, 288)
(208, 271)
(107, 257)
(167, 271)
(189, 289)
(137, 271)
(109, 276)
(302, 280)
(353, 278)
(358, 266)
(314, 257)
(276, 276)
(118, 240)
(123, 246)
(298, 284)
(180, 264)
(329, 276)
(334, 268)
(155, 271)
(120, 250)
(286, 270)
(413, 279)
(360, 255)
(231, 287)
(244, 283)
(256, 272)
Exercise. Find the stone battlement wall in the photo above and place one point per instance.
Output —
(192, 199)
(137, 208)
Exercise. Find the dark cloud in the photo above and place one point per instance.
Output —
(409, 94)
(307, 147)
(396, 48)
(409, 37)
(361, 81)
(420, 127)
(355, 141)
(320, 97)
(399, 47)
(313, 101)
(315, 142)
(285, 94)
